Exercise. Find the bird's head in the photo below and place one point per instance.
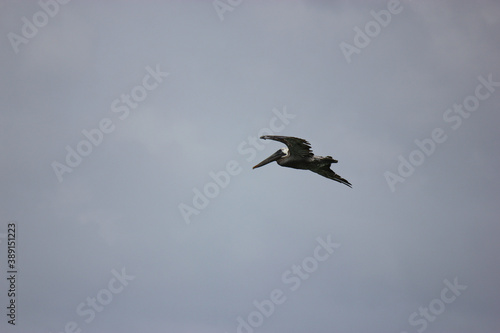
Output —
(274, 157)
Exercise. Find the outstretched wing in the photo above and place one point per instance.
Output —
(328, 173)
(297, 146)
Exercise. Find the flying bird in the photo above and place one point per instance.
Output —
(298, 155)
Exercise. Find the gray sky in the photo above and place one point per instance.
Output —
(123, 121)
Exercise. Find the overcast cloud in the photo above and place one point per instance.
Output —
(129, 133)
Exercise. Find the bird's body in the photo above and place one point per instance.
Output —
(298, 155)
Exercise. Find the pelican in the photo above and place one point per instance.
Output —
(298, 155)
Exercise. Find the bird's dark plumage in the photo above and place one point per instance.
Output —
(296, 146)
(298, 155)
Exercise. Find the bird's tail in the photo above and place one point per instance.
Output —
(331, 159)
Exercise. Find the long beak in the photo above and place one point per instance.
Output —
(274, 157)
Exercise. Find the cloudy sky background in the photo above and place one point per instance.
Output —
(119, 209)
